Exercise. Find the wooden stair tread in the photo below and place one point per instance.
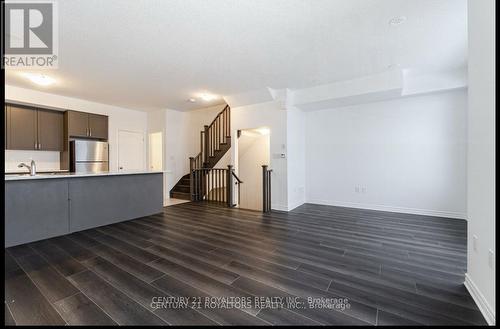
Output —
(180, 195)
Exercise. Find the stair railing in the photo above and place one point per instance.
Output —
(266, 188)
(237, 182)
(214, 184)
(216, 133)
(194, 163)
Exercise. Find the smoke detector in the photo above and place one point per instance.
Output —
(397, 20)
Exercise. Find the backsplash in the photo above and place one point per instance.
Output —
(45, 160)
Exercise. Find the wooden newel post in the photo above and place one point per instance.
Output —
(191, 178)
(207, 142)
(229, 187)
(264, 188)
(202, 150)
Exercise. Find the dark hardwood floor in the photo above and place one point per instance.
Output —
(392, 269)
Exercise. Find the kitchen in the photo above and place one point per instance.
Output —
(75, 191)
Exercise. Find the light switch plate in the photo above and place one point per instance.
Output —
(491, 259)
(474, 243)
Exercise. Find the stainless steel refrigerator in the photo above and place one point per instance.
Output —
(89, 156)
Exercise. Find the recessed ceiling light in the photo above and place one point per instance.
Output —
(40, 79)
(207, 97)
(398, 20)
(192, 100)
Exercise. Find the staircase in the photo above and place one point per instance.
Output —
(215, 141)
(181, 189)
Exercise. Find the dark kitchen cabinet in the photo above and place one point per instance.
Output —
(89, 125)
(6, 116)
(22, 128)
(98, 126)
(50, 130)
(35, 210)
(78, 124)
(33, 129)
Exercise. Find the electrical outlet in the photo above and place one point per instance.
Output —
(474, 243)
(491, 259)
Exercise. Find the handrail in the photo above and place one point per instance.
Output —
(237, 178)
(207, 169)
(239, 182)
(218, 115)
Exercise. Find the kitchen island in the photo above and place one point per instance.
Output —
(48, 205)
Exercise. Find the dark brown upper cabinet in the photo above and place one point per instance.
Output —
(98, 126)
(6, 116)
(87, 125)
(78, 124)
(50, 130)
(34, 129)
(21, 128)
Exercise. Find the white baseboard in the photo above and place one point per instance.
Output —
(293, 206)
(280, 207)
(483, 305)
(414, 211)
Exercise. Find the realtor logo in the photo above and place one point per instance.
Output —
(30, 34)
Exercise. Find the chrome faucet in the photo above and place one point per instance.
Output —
(31, 168)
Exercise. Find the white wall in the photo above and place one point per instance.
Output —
(405, 155)
(119, 118)
(196, 120)
(480, 279)
(296, 149)
(176, 155)
(45, 160)
(157, 123)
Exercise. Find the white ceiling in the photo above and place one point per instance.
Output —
(154, 54)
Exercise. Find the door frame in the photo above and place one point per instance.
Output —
(144, 153)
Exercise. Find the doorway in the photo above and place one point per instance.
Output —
(156, 151)
(131, 153)
(253, 152)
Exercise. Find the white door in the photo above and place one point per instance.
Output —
(130, 150)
